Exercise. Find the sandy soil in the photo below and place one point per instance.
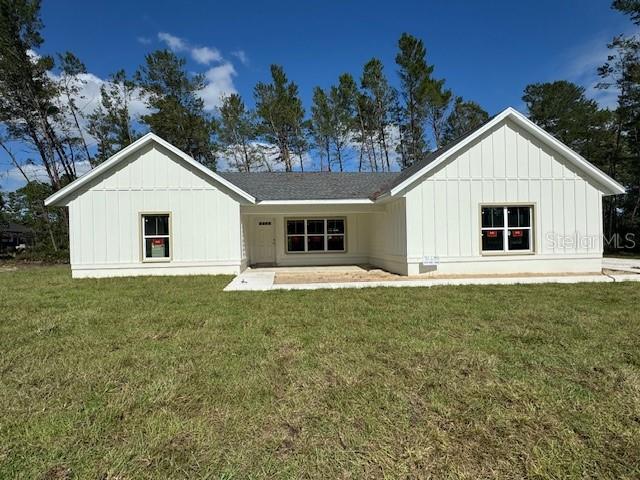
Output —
(376, 275)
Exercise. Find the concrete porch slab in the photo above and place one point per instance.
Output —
(260, 280)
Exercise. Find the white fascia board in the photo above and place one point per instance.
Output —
(317, 202)
(524, 122)
(125, 152)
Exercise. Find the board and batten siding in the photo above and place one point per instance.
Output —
(105, 219)
(388, 237)
(505, 166)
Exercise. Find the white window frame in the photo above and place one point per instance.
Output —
(144, 237)
(505, 229)
(326, 235)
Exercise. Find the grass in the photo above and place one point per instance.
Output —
(172, 378)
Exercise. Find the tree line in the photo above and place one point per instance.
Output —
(607, 137)
(361, 122)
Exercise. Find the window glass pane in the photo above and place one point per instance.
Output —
(519, 216)
(295, 227)
(156, 248)
(492, 240)
(335, 242)
(492, 216)
(150, 225)
(519, 239)
(156, 224)
(315, 242)
(162, 222)
(335, 226)
(315, 226)
(295, 244)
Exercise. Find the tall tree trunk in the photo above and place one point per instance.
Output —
(77, 123)
(328, 149)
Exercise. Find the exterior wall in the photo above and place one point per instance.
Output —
(506, 165)
(357, 233)
(105, 222)
(376, 234)
(388, 237)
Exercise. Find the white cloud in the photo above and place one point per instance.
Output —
(206, 55)
(33, 55)
(144, 40)
(219, 83)
(174, 43)
(203, 55)
(219, 79)
(242, 56)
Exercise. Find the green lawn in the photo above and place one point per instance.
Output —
(172, 378)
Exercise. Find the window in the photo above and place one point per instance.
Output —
(155, 237)
(315, 235)
(507, 229)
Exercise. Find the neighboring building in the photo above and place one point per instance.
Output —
(13, 235)
(506, 198)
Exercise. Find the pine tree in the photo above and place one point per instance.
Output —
(415, 80)
(438, 103)
(110, 122)
(426, 101)
(70, 84)
(237, 133)
(178, 114)
(379, 98)
(321, 125)
(355, 118)
(29, 108)
(622, 72)
(342, 118)
(280, 110)
(464, 117)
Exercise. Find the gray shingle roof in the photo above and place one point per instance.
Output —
(311, 185)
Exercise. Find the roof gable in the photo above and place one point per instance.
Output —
(58, 197)
(429, 164)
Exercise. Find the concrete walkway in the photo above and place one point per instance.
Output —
(621, 264)
(259, 280)
(252, 280)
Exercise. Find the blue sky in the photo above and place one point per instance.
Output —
(486, 51)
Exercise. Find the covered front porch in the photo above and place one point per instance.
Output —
(360, 233)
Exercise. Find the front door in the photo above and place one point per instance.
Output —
(265, 242)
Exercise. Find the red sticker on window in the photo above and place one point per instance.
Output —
(492, 233)
(517, 233)
(157, 242)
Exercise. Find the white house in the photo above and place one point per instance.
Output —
(505, 198)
